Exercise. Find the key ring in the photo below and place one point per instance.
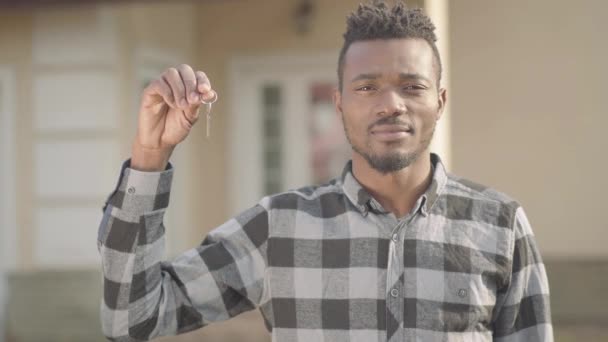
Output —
(213, 100)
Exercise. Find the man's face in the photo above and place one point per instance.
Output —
(390, 101)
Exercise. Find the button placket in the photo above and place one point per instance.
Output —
(397, 292)
(394, 300)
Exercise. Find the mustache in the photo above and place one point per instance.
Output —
(393, 121)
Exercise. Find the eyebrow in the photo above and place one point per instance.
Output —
(412, 76)
(366, 77)
(402, 76)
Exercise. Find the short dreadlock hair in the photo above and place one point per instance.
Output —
(377, 20)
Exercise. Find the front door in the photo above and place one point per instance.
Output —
(284, 132)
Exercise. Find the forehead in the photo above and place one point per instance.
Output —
(388, 57)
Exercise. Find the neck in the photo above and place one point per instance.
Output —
(397, 191)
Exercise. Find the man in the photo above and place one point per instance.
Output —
(395, 249)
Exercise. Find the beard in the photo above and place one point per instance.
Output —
(391, 161)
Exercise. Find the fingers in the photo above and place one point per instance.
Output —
(174, 80)
(204, 86)
(160, 88)
(190, 83)
(182, 88)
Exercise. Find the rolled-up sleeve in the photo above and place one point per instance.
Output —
(523, 312)
(145, 296)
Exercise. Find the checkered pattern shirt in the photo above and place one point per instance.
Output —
(328, 263)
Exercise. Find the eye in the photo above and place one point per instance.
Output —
(414, 88)
(365, 88)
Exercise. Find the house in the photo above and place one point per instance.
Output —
(526, 115)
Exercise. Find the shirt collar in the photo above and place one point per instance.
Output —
(363, 201)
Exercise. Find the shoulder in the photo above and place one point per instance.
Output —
(462, 186)
(466, 199)
(312, 199)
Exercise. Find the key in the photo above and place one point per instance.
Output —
(208, 108)
(209, 122)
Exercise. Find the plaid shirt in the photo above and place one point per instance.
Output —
(328, 263)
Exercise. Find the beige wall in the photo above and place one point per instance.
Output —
(528, 112)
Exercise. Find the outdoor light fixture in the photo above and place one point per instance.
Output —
(303, 16)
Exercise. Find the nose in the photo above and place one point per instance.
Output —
(391, 103)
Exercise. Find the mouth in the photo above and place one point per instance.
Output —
(392, 132)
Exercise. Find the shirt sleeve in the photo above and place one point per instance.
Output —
(144, 296)
(523, 311)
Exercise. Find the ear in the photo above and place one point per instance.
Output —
(338, 101)
(441, 101)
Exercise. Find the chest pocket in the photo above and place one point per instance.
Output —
(452, 287)
(469, 302)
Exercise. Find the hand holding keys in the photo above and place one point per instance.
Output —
(169, 109)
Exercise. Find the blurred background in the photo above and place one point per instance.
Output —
(527, 115)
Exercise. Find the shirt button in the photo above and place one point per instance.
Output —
(394, 292)
(396, 237)
(131, 190)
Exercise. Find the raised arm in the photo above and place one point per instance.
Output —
(143, 295)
